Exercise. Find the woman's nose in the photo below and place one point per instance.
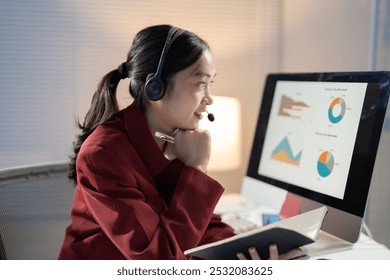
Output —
(208, 99)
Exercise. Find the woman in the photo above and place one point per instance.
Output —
(138, 196)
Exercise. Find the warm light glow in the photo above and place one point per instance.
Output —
(225, 133)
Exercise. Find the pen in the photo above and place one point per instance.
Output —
(164, 137)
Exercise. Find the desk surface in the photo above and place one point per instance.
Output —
(326, 246)
(365, 249)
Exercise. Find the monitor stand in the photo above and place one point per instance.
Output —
(327, 243)
(341, 224)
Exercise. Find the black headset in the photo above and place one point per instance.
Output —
(155, 86)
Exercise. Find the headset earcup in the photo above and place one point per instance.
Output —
(154, 88)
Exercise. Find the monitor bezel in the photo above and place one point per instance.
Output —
(366, 144)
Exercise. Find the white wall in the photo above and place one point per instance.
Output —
(330, 35)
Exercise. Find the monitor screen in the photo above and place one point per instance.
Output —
(317, 135)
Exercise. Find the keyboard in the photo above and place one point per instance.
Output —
(239, 224)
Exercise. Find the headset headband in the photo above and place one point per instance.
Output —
(154, 87)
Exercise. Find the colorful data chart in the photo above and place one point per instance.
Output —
(284, 153)
(291, 108)
(325, 164)
(336, 110)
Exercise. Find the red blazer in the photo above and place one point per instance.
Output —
(133, 203)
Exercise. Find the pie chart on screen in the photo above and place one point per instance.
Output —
(336, 110)
(325, 164)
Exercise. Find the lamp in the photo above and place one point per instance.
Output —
(225, 133)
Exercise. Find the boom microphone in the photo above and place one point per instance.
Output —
(210, 116)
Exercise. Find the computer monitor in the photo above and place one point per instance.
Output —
(317, 137)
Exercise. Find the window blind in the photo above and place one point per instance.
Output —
(53, 54)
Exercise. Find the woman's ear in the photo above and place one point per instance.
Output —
(149, 76)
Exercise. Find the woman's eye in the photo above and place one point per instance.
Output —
(203, 84)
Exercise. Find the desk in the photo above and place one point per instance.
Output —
(326, 246)
(365, 249)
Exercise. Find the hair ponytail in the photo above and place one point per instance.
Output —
(103, 107)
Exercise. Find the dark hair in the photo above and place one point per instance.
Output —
(142, 59)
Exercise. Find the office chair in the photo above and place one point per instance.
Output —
(35, 204)
(3, 256)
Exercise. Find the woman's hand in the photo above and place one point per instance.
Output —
(193, 147)
(273, 254)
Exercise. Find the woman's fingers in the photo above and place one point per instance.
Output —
(273, 252)
(292, 254)
(254, 254)
(241, 256)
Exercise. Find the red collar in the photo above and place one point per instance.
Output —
(139, 135)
